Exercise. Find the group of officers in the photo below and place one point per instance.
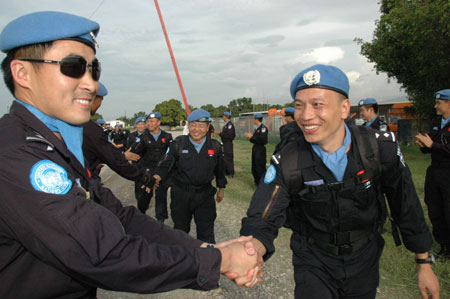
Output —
(63, 234)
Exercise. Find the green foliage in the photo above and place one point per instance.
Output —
(96, 116)
(411, 43)
(172, 112)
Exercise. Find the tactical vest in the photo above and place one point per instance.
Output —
(342, 216)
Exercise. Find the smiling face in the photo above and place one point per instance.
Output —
(153, 125)
(320, 114)
(198, 130)
(140, 126)
(58, 95)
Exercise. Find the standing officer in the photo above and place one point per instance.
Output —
(135, 137)
(259, 139)
(227, 136)
(196, 159)
(328, 187)
(62, 233)
(437, 189)
(289, 131)
(98, 150)
(368, 109)
(154, 145)
(117, 136)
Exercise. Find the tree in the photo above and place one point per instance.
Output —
(125, 119)
(240, 105)
(172, 112)
(411, 43)
(96, 116)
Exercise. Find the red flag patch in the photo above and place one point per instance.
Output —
(163, 140)
(210, 152)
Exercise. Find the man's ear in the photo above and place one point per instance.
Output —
(345, 108)
(20, 72)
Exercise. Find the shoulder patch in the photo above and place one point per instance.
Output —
(383, 128)
(47, 176)
(271, 173)
(263, 130)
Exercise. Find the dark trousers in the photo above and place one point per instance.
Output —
(437, 199)
(318, 275)
(228, 157)
(201, 205)
(258, 162)
(143, 200)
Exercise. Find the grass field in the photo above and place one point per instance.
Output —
(397, 269)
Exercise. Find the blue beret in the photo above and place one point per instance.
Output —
(139, 120)
(368, 101)
(289, 111)
(257, 115)
(442, 94)
(199, 115)
(100, 121)
(154, 115)
(120, 126)
(102, 91)
(226, 113)
(321, 76)
(47, 26)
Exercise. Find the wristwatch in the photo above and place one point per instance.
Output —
(429, 260)
(210, 245)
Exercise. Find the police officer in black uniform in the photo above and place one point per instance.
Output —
(227, 136)
(117, 136)
(154, 144)
(327, 186)
(62, 233)
(289, 131)
(437, 189)
(135, 137)
(259, 138)
(368, 110)
(196, 160)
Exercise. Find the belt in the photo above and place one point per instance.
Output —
(193, 188)
(340, 243)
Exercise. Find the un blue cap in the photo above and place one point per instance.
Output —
(289, 111)
(46, 26)
(199, 115)
(140, 119)
(368, 101)
(442, 94)
(226, 113)
(102, 91)
(321, 76)
(100, 121)
(257, 115)
(154, 115)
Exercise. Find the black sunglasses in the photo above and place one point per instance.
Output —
(73, 66)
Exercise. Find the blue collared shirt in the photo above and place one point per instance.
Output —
(197, 146)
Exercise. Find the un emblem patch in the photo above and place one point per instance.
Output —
(271, 173)
(47, 176)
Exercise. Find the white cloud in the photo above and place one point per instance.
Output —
(325, 55)
(353, 77)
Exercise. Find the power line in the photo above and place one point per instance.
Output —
(98, 7)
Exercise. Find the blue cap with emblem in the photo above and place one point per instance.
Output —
(289, 111)
(100, 121)
(368, 101)
(140, 119)
(199, 115)
(154, 115)
(321, 76)
(257, 115)
(102, 91)
(47, 26)
(226, 113)
(442, 94)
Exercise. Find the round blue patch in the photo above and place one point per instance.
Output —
(271, 173)
(47, 176)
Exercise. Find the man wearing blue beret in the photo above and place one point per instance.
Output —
(328, 186)
(195, 160)
(368, 110)
(259, 138)
(62, 233)
(289, 131)
(227, 136)
(437, 190)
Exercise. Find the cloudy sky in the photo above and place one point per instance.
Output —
(225, 49)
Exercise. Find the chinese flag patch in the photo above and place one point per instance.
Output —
(163, 139)
(210, 152)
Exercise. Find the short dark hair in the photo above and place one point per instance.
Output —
(374, 106)
(35, 51)
(259, 118)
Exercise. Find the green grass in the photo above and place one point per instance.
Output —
(397, 266)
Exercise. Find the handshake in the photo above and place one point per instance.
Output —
(242, 260)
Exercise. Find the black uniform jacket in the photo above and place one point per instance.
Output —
(151, 150)
(192, 168)
(97, 149)
(118, 137)
(440, 150)
(260, 136)
(267, 211)
(228, 132)
(65, 245)
(378, 124)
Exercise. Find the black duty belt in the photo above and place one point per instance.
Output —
(341, 243)
(193, 188)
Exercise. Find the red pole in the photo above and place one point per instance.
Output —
(173, 58)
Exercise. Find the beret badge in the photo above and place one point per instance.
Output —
(311, 77)
(438, 96)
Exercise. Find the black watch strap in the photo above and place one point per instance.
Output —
(429, 260)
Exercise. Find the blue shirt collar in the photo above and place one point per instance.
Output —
(197, 146)
(156, 136)
(444, 121)
(369, 123)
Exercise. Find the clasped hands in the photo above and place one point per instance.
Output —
(241, 262)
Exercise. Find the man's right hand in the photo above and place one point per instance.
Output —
(130, 156)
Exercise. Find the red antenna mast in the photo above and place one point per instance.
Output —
(173, 58)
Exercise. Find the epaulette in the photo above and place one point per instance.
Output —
(32, 136)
